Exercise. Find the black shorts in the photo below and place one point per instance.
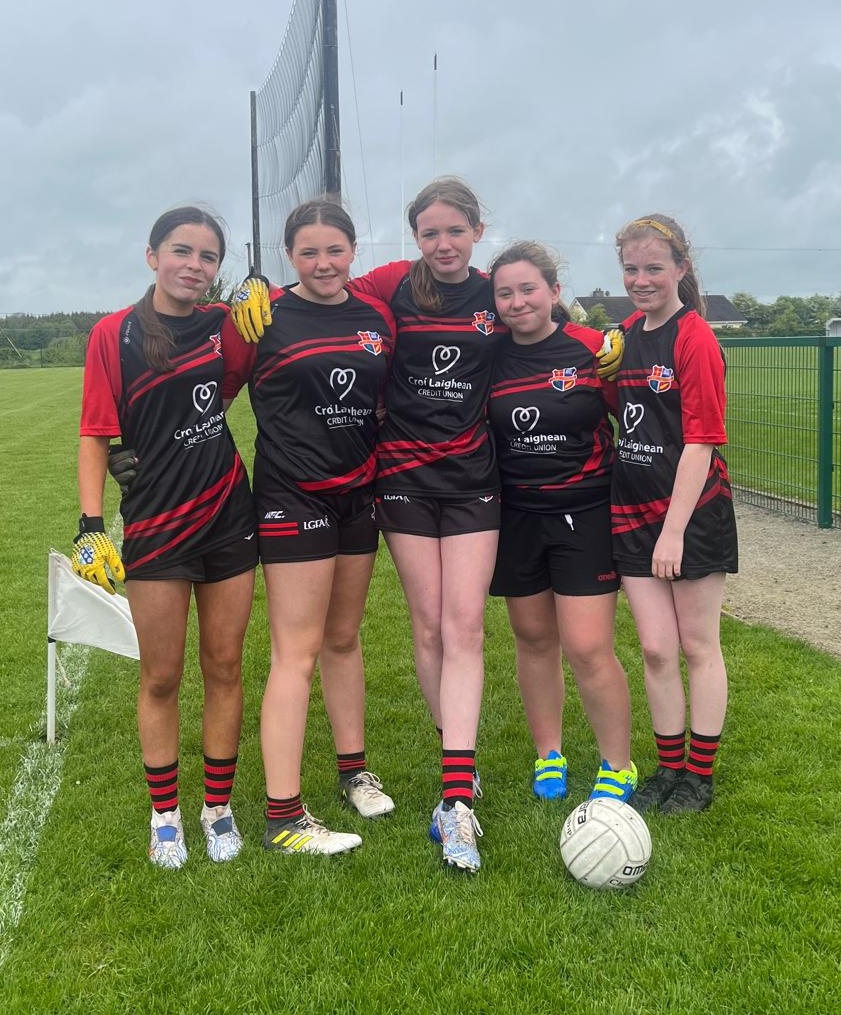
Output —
(435, 516)
(294, 525)
(568, 553)
(226, 561)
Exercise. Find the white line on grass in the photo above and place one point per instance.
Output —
(39, 777)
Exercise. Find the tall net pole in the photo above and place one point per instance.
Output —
(332, 150)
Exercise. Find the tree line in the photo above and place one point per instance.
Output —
(59, 339)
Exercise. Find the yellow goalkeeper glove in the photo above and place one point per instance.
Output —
(610, 354)
(251, 311)
(93, 552)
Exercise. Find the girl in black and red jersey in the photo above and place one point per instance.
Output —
(549, 415)
(154, 376)
(674, 530)
(437, 481)
(316, 380)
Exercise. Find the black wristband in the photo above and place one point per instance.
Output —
(91, 524)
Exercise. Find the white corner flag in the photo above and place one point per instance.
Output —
(82, 613)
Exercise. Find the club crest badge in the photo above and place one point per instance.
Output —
(660, 379)
(371, 342)
(564, 380)
(483, 320)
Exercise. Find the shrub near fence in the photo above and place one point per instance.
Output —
(784, 425)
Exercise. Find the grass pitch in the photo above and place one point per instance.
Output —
(738, 912)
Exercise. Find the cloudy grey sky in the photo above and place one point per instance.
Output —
(567, 119)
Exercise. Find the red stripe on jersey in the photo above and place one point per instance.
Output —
(151, 380)
(411, 454)
(194, 513)
(357, 477)
(312, 347)
(627, 517)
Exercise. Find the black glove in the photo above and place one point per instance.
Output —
(122, 464)
(93, 552)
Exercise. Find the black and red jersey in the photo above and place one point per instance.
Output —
(671, 393)
(315, 381)
(189, 470)
(435, 438)
(549, 417)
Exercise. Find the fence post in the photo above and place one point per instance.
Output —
(825, 364)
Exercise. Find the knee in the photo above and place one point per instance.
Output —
(341, 642)
(659, 658)
(160, 684)
(221, 668)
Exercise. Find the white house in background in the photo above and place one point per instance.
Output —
(720, 311)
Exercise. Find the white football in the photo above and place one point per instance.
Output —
(605, 844)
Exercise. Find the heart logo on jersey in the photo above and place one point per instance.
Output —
(445, 357)
(632, 416)
(525, 418)
(203, 395)
(341, 381)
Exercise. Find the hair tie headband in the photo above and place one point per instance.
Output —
(655, 225)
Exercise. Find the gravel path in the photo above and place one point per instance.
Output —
(789, 577)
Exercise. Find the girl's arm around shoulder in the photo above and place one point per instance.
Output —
(381, 282)
(239, 358)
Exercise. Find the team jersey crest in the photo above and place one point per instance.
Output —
(216, 342)
(660, 379)
(483, 320)
(563, 380)
(371, 342)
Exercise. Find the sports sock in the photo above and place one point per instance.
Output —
(284, 808)
(350, 765)
(671, 748)
(163, 786)
(702, 750)
(218, 780)
(457, 777)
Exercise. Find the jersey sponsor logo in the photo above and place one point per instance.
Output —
(445, 357)
(216, 342)
(564, 380)
(400, 498)
(371, 342)
(341, 381)
(483, 320)
(525, 417)
(660, 379)
(632, 416)
(275, 514)
(203, 396)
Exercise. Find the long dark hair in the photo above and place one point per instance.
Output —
(664, 228)
(158, 340)
(454, 192)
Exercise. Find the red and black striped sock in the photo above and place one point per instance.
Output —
(671, 749)
(163, 786)
(284, 808)
(218, 780)
(702, 750)
(350, 765)
(457, 777)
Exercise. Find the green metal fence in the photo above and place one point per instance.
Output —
(784, 425)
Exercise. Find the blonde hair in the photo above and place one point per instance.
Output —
(664, 228)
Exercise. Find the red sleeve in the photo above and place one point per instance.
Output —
(102, 387)
(239, 357)
(381, 282)
(700, 368)
(593, 339)
(635, 316)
